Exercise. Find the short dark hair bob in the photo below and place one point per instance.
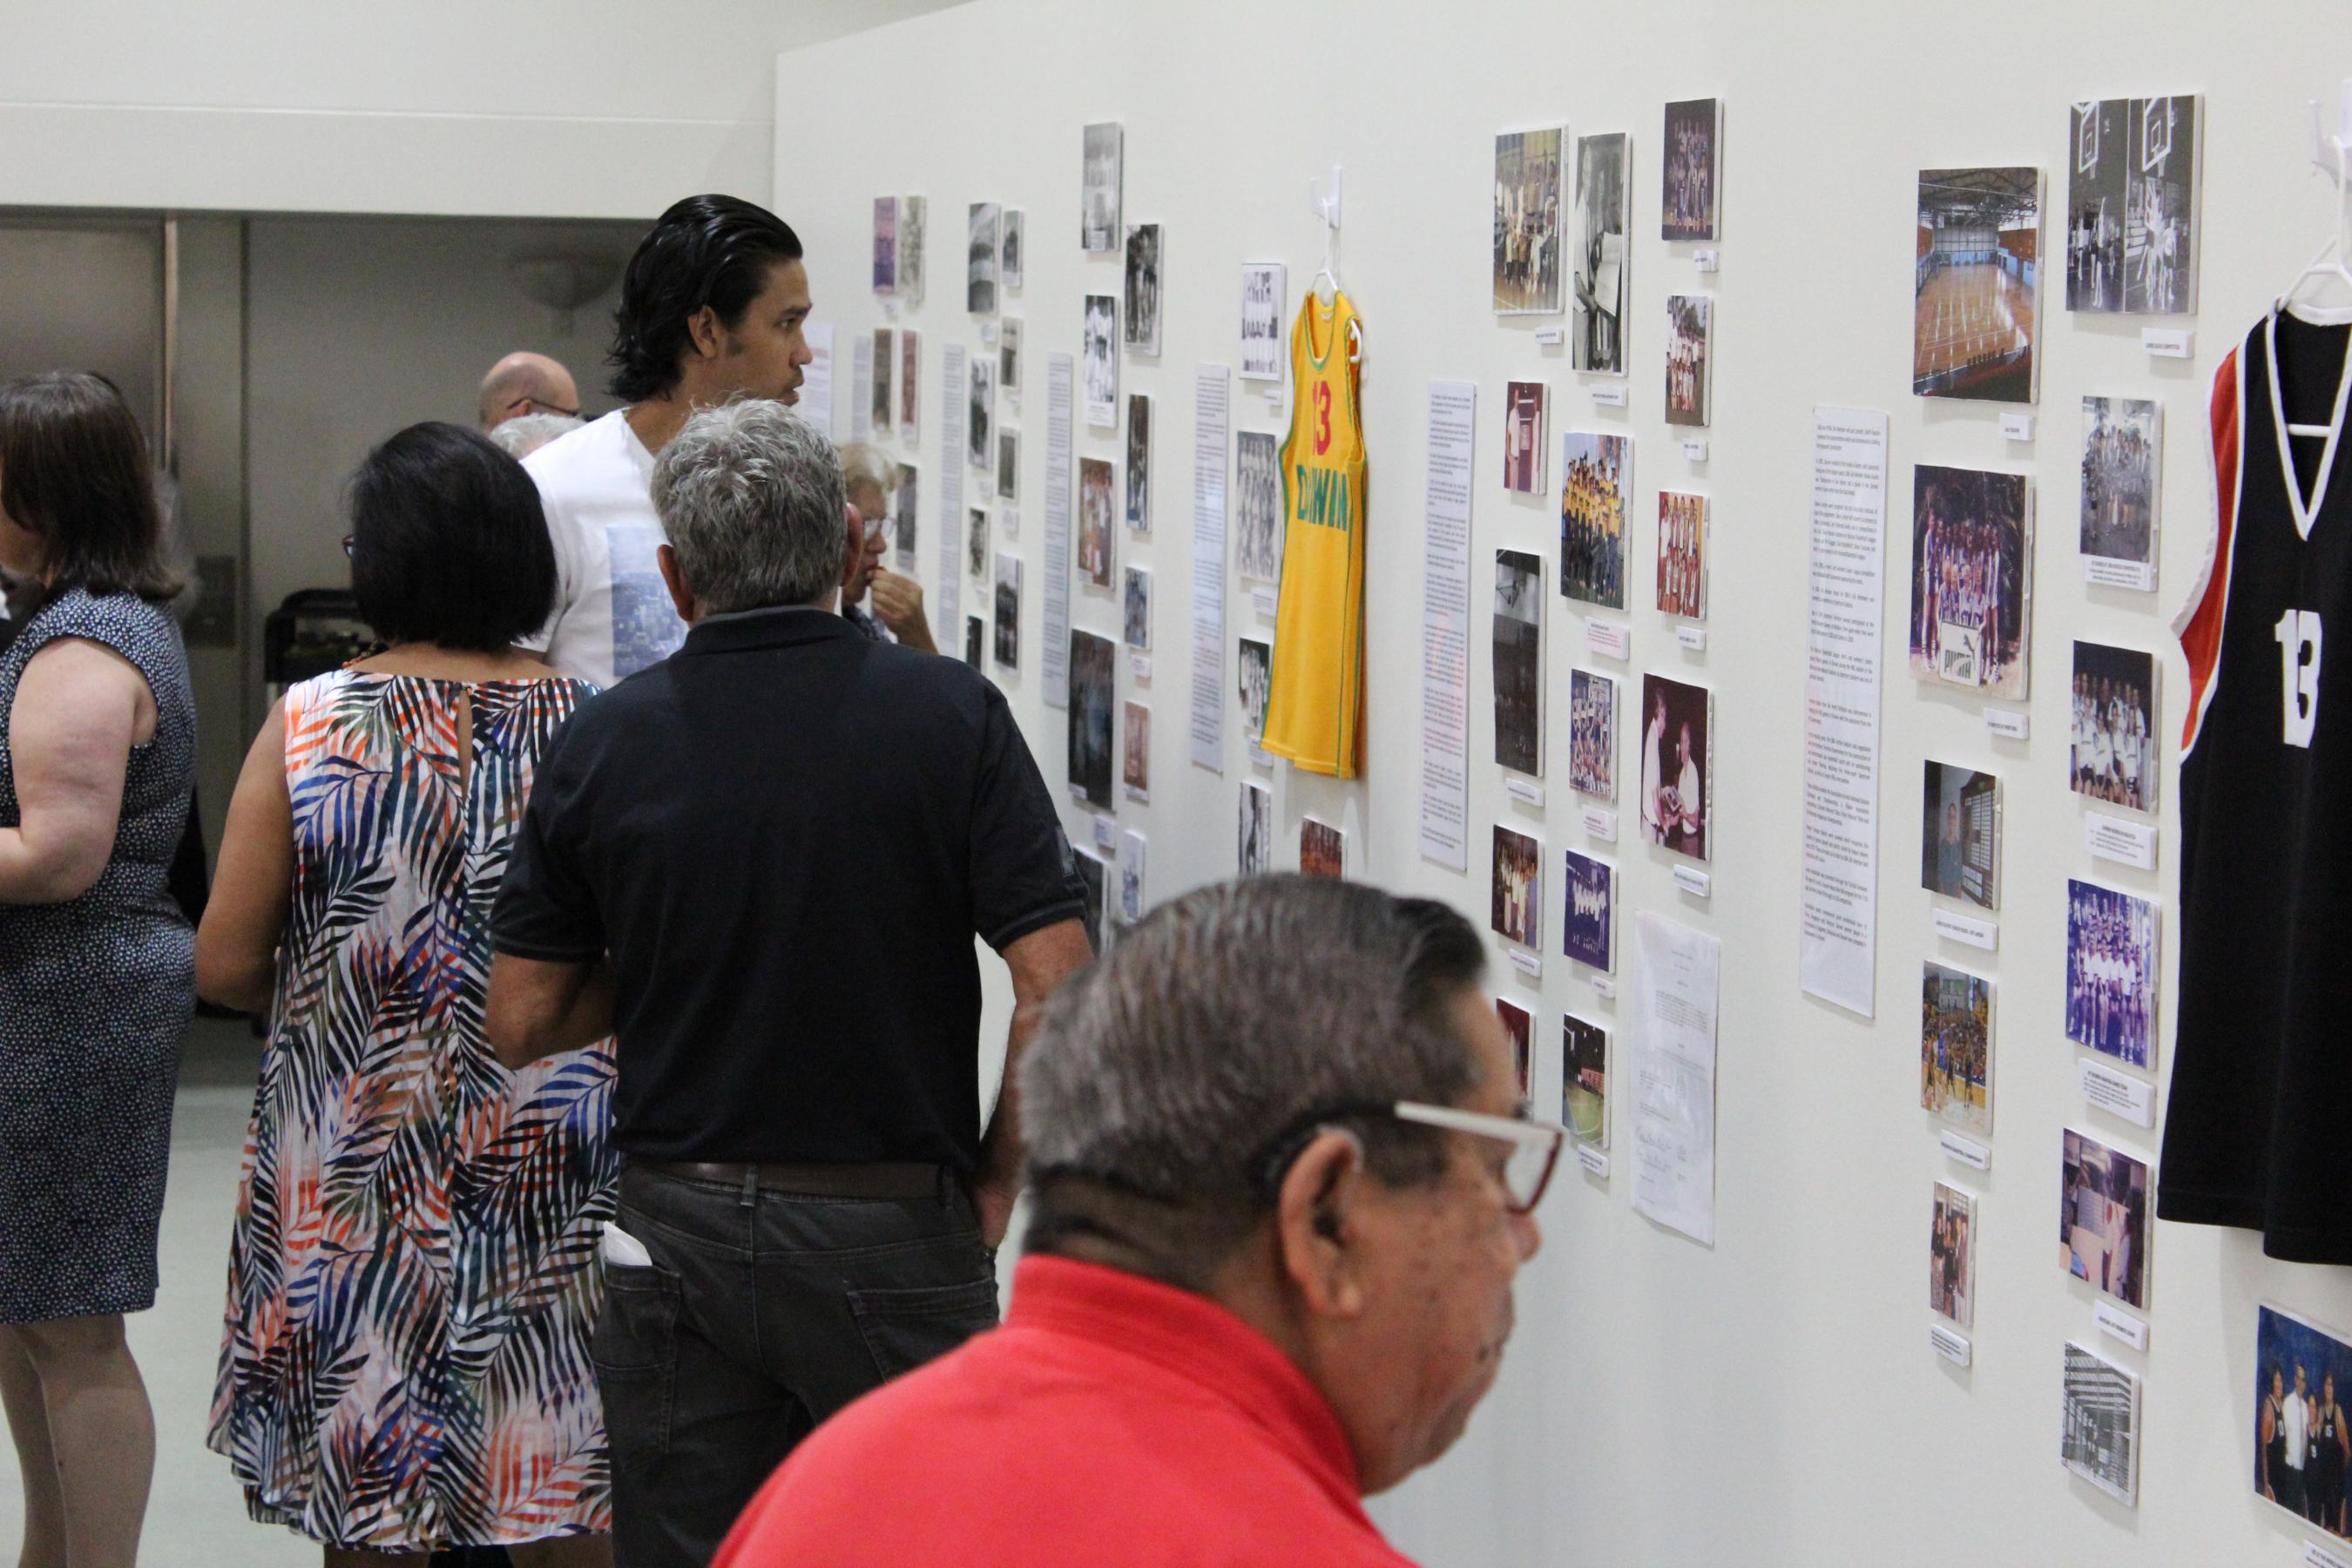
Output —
(449, 545)
(74, 469)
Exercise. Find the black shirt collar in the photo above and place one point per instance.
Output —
(779, 625)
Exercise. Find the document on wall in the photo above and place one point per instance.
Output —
(1061, 404)
(1675, 971)
(1213, 422)
(1837, 940)
(950, 598)
(816, 379)
(861, 387)
(1445, 626)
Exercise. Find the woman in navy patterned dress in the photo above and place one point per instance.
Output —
(97, 758)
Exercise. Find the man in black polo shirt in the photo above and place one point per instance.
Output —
(760, 864)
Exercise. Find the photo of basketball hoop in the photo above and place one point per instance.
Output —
(2131, 206)
(1974, 315)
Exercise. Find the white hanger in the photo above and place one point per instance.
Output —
(2333, 156)
(1326, 207)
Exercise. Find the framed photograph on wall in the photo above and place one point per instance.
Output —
(1530, 207)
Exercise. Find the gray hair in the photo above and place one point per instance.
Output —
(864, 463)
(1225, 1022)
(751, 496)
(527, 433)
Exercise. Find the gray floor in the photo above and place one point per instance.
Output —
(197, 1519)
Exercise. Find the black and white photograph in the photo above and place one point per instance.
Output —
(979, 426)
(1265, 295)
(1139, 461)
(1143, 262)
(1529, 206)
(914, 220)
(1592, 734)
(1518, 661)
(1010, 246)
(1973, 285)
(1257, 505)
(2122, 461)
(1959, 834)
(1584, 1079)
(1692, 157)
(2112, 754)
(1008, 359)
(1092, 877)
(1952, 1257)
(980, 260)
(1595, 484)
(1135, 768)
(1139, 608)
(2103, 1199)
(1690, 327)
(975, 641)
(1956, 1047)
(1525, 434)
(1515, 901)
(2131, 206)
(1255, 670)
(976, 541)
(1008, 610)
(1098, 204)
(886, 245)
(1677, 766)
(1604, 256)
(1097, 520)
(1091, 699)
(1682, 554)
(1008, 465)
(2099, 1423)
(1971, 578)
(2111, 972)
(903, 515)
(1589, 913)
(911, 365)
(884, 405)
(2303, 1438)
(1256, 850)
(1131, 864)
(1099, 360)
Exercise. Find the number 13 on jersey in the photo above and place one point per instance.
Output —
(2298, 638)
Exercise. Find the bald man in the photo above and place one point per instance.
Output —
(524, 384)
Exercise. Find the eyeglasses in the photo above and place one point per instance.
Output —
(543, 407)
(349, 549)
(1535, 1145)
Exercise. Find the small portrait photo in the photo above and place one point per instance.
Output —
(1693, 160)
(1690, 327)
(2111, 972)
(1526, 420)
(2099, 1428)
(1139, 461)
(1143, 288)
(1322, 849)
(1589, 919)
(1098, 195)
(1256, 670)
(1257, 830)
(902, 520)
(911, 364)
(980, 264)
(1097, 510)
(1008, 610)
(1956, 1047)
(1604, 256)
(2113, 756)
(1592, 733)
(1258, 506)
(1952, 1257)
(1264, 299)
(1099, 354)
(1091, 679)
(1138, 608)
(2122, 460)
(1130, 876)
(1008, 358)
(914, 219)
(884, 405)
(1136, 770)
(886, 244)
(1596, 479)
(1518, 661)
(1008, 465)
(1009, 250)
(1518, 909)
(1677, 763)
(1520, 1025)
(1971, 577)
(1682, 554)
(2303, 1374)
(979, 440)
(1584, 1079)
(1959, 834)
(1973, 312)
(976, 540)
(1529, 203)
(1091, 878)
(2102, 1206)
(975, 641)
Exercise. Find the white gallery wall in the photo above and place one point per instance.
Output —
(1771, 1398)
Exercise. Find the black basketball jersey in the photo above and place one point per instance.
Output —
(2257, 1122)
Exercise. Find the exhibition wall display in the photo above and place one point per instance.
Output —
(1784, 450)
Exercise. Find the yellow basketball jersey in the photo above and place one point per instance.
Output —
(1315, 713)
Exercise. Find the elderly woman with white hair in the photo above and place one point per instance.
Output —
(872, 480)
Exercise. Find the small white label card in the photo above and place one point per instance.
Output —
(1601, 823)
(1708, 260)
(1138, 664)
(2314, 1555)
(1610, 395)
(1008, 521)
(1106, 835)
(1692, 637)
(1605, 986)
(890, 308)
(2009, 723)
(1551, 336)
(2167, 342)
(1695, 448)
(2017, 426)
(1693, 881)
(2116, 1323)
(1593, 1160)
(988, 332)
(1609, 640)
(1526, 962)
(1264, 601)
(2117, 1094)
(2139, 576)
(1953, 1347)
(1967, 1150)
(1527, 790)
(1954, 926)
(2125, 843)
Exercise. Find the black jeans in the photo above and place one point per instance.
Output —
(762, 1314)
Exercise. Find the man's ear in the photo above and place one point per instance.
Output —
(675, 580)
(707, 333)
(1318, 1221)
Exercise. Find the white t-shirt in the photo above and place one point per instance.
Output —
(2297, 1427)
(613, 613)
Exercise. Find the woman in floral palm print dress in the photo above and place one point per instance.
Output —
(413, 1273)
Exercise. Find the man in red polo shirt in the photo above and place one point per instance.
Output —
(1281, 1184)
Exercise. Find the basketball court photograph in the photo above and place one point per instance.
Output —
(1956, 1047)
(1584, 1079)
(1974, 284)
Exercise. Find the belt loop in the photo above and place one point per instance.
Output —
(750, 1186)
